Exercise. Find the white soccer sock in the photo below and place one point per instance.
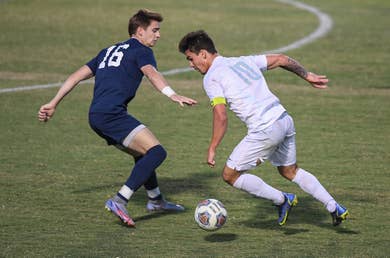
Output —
(126, 192)
(310, 184)
(152, 194)
(257, 187)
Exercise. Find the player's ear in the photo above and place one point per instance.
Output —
(203, 53)
(140, 31)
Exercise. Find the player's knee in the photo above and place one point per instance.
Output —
(159, 152)
(229, 177)
(288, 172)
(225, 177)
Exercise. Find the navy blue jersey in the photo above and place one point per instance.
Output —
(118, 75)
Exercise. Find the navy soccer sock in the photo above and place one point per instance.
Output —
(151, 185)
(144, 168)
(152, 182)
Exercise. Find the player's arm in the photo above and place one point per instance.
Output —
(220, 122)
(159, 82)
(289, 64)
(47, 111)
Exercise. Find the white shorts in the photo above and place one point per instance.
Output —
(275, 143)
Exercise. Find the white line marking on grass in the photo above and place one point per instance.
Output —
(325, 25)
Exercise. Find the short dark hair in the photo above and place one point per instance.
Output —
(196, 41)
(142, 19)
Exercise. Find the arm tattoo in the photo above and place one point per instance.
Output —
(295, 67)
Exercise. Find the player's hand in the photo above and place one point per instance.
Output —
(317, 81)
(183, 100)
(210, 158)
(46, 112)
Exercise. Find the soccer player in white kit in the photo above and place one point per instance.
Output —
(238, 82)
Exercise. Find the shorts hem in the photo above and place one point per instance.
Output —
(284, 165)
(126, 142)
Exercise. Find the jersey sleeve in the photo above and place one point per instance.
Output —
(144, 57)
(261, 62)
(93, 64)
(215, 92)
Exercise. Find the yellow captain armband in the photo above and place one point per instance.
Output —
(218, 100)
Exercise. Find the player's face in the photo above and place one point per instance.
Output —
(151, 34)
(198, 61)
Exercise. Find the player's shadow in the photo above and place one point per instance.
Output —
(265, 211)
(221, 237)
(98, 188)
(271, 224)
(148, 216)
(306, 212)
(157, 214)
(339, 229)
(169, 186)
(310, 211)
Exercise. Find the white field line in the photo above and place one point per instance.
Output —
(325, 25)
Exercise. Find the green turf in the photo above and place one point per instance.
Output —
(55, 177)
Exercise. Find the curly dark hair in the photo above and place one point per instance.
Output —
(196, 41)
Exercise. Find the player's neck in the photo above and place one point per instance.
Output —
(212, 57)
(137, 38)
(140, 40)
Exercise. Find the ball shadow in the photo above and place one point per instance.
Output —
(221, 237)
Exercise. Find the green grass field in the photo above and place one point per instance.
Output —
(55, 177)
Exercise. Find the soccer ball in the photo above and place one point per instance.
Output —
(210, 214)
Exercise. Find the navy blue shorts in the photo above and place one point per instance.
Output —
(114, 128)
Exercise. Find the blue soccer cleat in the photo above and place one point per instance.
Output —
(120, 211)
(163, 205)
(339, 214)
(290, 200)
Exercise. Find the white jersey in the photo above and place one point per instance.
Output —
(240, 81)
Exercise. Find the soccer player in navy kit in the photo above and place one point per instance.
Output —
(118, 72)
